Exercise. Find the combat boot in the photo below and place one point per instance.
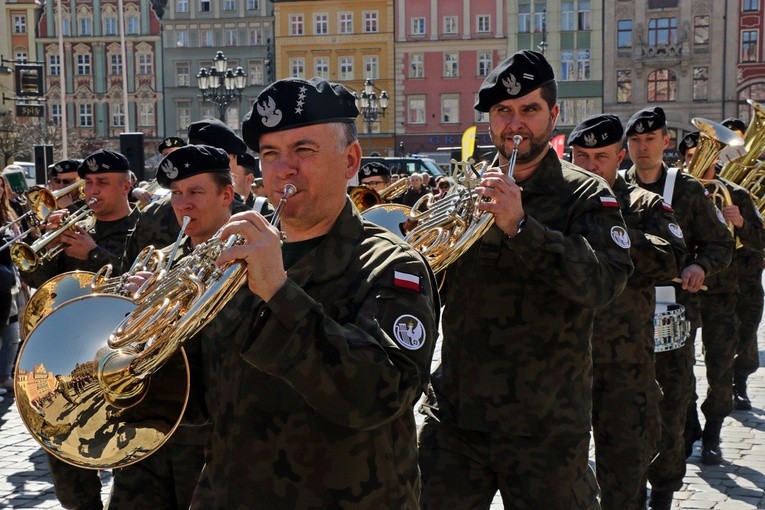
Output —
(741, 400)
(710, 441)
(692, 432)
(660, 500)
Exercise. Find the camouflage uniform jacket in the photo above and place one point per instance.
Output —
(312, 393)
(518, 313)
(706, 237)
(751, 235)
(111, 239)
(623, 330)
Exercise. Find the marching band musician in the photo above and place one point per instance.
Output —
(716, 304)
(625, 395)
(107, 180)
(374, 174)
(312, 370)
(62, 174)
(709, 247)
(243, 172)
(164, 148)
(748, 308)
(511, 400)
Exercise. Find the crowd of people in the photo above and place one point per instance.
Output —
(304, 387)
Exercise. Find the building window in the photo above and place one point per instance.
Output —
(86, 26)
(21, 57)
(700, 83)
(83, 64)
(54, 65)
(450, 109)
(55, 113)
(321, 67)
(232, 117)
(145, 63)
(624, 86)
(115, 64)
(371, 67)
(540, 17)
(65, 29)
(110, 26)
(479, 117)
(750, 5)
(117, 117)
(662, 31)
(662, 86)
(524, 18)
(230, 37)
(204, 6)
(566, 112)
(297, 67)
(19, 24)
(484, 61)
(450, 25)
(583, 65)
(624, 33)
(253, 5)
(229, 5)
(86, 115)
(701, 30)
(346, 68)
(345, 22)
(321, 24)
(749, 46)
(207, 112)
(567, 66)
(483, 23)
(183, 112)
(584, 18)
(416, 65)
(131, 25)
(662, 4)
(451, 65)
(182, 75)
(415, 110)
(296, 24)
(370, 22)
(418, 26)
(182, 38)
(255, 73)
(255, 37)
(206, 39)
(182, 6)
(567, 17)
(146, 114)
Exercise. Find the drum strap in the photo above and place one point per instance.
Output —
(259, 203)
(666, 294)
(669, 184)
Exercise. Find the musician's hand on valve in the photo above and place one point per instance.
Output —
(79, 244)
(54, 219)
(504, 200)
(261, 252)
(134, 281)
(731, 213)
(693, 277)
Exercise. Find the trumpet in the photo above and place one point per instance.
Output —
(28, 257)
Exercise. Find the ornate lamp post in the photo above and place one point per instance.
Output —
(221, 85)
(371, 106)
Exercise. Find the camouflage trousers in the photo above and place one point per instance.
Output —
(465, 469)
(163, 481)
(748, 314)
(674, 373)
(718, 335)
(75, 487)
(626, 428)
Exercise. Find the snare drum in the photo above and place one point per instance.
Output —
(670, 329)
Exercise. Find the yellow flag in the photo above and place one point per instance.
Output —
(468, 143)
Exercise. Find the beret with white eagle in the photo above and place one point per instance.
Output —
(597, 131)
(191, 160)
(170, 142)
(64, 166)
(646, 120)
(294, 102)
(523, 72)
(103, 161)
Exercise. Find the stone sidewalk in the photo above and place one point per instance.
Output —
(737, 484)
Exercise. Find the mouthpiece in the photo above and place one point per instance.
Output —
(289, 190)
(517, 139)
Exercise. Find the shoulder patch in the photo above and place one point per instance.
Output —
(675, 229)
(409, 332)
(620, 237)
(609, 202)
(407, 281)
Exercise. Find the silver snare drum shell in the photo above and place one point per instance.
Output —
(670, 328)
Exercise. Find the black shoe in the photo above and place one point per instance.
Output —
(741, 400)
(691, 434)
(711, 454)
(710, 442)
(660, 500)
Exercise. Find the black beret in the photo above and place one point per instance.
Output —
(64, 166)
(247, 160)
(735, 124)
(597, 131)
(191, 160)
(373, 169)
(689, 141)
(170, 142)
(292, 103)
(217, 134)
(103, 161)
(520, 74)
(646, 120)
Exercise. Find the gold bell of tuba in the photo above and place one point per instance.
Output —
(748, 171)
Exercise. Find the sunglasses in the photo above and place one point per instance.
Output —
(374, 183)
(444, 186)
(65, 182)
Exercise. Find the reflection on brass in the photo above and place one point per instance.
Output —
(52, 294)
(748, 171)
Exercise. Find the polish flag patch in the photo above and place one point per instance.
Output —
(609, 202)
(667, 207)
(406, 281)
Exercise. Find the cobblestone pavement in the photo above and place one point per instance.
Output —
(737, 484)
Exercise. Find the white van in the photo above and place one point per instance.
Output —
(29, 171)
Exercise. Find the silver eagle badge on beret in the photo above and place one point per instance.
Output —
(270, 116)
(93, 165)
(511, 84)
(590, 140)
(170, 170)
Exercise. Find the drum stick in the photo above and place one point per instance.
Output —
(678, 280)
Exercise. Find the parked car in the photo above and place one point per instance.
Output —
(407, 165)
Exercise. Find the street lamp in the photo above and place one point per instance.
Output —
(221, 85)
(371, 106)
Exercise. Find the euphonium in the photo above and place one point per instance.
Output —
(748, 171)
(103, 402)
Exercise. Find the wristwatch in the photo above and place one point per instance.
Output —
(521, 225)
(94, 255)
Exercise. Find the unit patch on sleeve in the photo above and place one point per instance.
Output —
(409, 332)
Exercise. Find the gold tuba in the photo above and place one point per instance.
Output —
(747, 171)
